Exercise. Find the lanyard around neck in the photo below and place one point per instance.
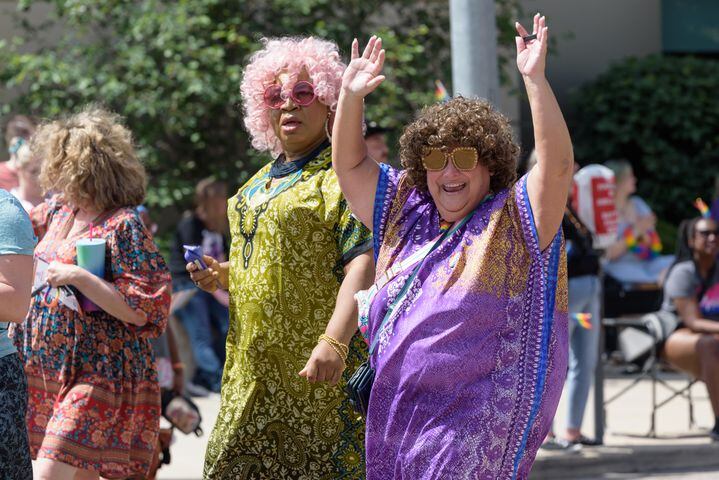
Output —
(411, 278)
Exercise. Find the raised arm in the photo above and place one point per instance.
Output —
(548, 182)
(356, 171)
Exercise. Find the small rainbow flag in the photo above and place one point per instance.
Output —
(655, 244)
(440, 93)
(702, 207)
(584, 320)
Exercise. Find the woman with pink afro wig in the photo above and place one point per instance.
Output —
(298, 256)
(321, 60)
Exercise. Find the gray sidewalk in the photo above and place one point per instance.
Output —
(626, 453)
(679, 452)
(188, 451)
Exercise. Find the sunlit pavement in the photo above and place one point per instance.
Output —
(678, 453)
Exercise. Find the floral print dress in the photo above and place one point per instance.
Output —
(94, 399)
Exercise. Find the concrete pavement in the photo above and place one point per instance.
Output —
(627, 453)
(188, 451)
(679, 452)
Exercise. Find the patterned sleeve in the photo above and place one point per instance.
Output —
(388, 185)
(351, 236)
(521, 210)
(16, 235)
(140, 274)
(41, 215)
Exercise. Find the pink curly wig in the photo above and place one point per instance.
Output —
(322, 60)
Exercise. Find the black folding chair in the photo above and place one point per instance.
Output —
(626, 307)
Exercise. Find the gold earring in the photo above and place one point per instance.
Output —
(327, 126)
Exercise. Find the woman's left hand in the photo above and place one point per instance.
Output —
(532, 54)
(362, 75)
(324, 365)
(59, 274)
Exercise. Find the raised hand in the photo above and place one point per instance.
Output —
(532, 54)
(362, 74)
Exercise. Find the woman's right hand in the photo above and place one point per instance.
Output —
(208, 279)
(362, 76)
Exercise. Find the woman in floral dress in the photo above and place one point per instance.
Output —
(94, 399)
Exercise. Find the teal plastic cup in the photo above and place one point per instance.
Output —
(91, 257)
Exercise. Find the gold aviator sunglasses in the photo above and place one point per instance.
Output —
(463, 158)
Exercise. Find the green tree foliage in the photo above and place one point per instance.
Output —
(661, 114)
(173, 68)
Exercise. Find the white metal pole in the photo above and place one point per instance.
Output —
(475, 72)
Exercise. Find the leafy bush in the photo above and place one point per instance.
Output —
(660, 113)
(173, 68)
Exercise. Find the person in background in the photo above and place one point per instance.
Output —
(205, 316)
(584, 324)
(376, 140)
(691, 291)
(28, 191)
(635, 257)
(94, 407)
(18, 131)
(298, 257)
(16, 248)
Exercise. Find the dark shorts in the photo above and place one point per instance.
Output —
(14, 448)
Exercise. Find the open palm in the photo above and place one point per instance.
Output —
(532, 54)
(362, 74)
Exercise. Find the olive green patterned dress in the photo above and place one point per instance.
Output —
(290, 241)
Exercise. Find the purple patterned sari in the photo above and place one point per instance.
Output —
(470, 369)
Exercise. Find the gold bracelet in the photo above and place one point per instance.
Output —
(343, 348)
(340, 348)
(334, 341)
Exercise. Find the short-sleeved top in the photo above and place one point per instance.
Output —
(469, 365)
(16, 238)
(684, 281)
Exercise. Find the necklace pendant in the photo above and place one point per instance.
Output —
(247, 223)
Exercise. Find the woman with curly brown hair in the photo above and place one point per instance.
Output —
(94, 399)
(467, 320)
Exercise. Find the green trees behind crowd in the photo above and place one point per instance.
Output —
(173, 69)
(661, 113)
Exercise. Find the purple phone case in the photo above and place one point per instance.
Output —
(193, 254)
